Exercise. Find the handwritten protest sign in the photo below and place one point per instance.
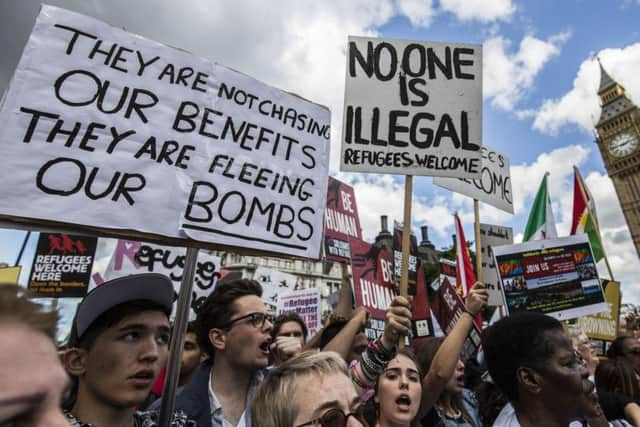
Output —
(274, 283)
(412, 108)
(492, 187)
(491, 236)
(62, 265)
(130, 257)
(107, 129)
(557, 277)
(341, 221)
(307, 304)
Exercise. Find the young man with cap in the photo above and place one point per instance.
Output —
(118, 344)
(234, 329)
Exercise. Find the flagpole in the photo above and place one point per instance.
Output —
(476, 212)
(595, 221)
(406, 236)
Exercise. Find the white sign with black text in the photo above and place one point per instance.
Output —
(492, 187)
(490, 237)
(105, 128)
(412, 108)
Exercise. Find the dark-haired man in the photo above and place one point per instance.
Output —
(289, 334)
(534, 363)
(234, 329)
(118, 344)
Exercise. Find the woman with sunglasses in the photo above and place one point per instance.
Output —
(311, 389)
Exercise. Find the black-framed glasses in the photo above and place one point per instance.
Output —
(336, 418)
(256, 319)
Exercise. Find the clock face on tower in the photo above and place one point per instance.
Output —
(623, 144)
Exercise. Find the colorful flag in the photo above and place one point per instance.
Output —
(541, 224)
(584, 215)
(465, 277)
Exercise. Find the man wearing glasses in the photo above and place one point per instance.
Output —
(234, 329)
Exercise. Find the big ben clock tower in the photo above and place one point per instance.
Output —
(618, 140)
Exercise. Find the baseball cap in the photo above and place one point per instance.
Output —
(153, 287)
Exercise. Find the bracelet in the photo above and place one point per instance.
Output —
(464, 310)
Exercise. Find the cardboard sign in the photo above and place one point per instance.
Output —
(412, 108)
(274, 283)
(492, 187)
(307, 304)
(130, 257)
(110, 130)
(373, 288)
(62, 265)
(604, 326)
(341, 221)
(557, 277)
(490, 236)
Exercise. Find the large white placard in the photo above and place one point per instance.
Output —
(492, 187)
(412, 108)
(491, 236)
(105, 128)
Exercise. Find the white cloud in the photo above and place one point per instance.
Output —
(484, 11)
(580, 106)
(419, 12)
(509, 76)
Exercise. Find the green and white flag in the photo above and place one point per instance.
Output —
(541, 224)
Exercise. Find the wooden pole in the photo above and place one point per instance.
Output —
(167, 405)
(406, 240)
(595, 222)
(476, 214)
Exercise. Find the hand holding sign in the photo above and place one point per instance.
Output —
(477, 299)
(397, 322)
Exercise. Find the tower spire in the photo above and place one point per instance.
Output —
(605, 79)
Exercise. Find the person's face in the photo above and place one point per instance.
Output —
(291, 329)
(125, 359)
(584, 347)
(631, 351)
(456, 382)
(33, 380)
(317, 394)
(564, 385)
(190, 354)
(399, 391)
(247, 345)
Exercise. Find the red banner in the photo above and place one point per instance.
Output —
(341, 221)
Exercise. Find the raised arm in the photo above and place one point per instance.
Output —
(446, 358)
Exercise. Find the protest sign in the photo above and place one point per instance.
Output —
(412, 108)
(105, 129)
(557, 277)
(492, 187)
(341, 221)
(373, 289)
(604, 326)
(274, 283)
(130, 257)
(493, 235)
(447, 308)
(62, 265)
(9, 275)
(305, 303)
(414, 262)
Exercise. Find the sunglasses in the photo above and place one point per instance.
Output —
(256, 319)
(336, 418)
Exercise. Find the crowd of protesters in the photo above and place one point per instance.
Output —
(243, 367)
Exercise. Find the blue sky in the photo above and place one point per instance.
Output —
(540, 79)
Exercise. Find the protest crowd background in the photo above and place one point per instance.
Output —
(196, 264)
